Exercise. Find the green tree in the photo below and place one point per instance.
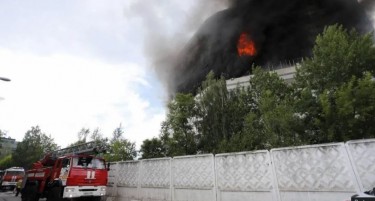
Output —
(350, 111)
(309, 108)
(121, 149)
(153, 148)
(239, 105)
(178, 129)
(212, 116)
(338, 57)
(82, 136)
(271, 120)
(33, 147)
(118, 133)
(97, 136)
(6, 162)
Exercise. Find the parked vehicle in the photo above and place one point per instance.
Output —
(74, 173)
(366, 196)
(1, 175)
(10, 177)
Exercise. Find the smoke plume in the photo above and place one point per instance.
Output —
(369, 6)
(279, 31)
(282, 31)
(169, 25)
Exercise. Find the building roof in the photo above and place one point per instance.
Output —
(286, 73)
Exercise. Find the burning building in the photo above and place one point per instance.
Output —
(260, 32)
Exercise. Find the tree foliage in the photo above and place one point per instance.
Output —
(153, 148)
(212, 118)
(178, 131)
(6, 162)
(350, 111)
(340, 59)
(337, 56)
(32, 148)
(97, 136)
(82, 137)
(121, 149)
(270, 120)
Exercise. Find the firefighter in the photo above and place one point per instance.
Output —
(18, 186)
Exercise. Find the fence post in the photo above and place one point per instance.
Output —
(274, 176)
(171, 180)
(114, 185)
(359, 186)
(215, 178)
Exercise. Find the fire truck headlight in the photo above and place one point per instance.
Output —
(102, 188)
(69, 190)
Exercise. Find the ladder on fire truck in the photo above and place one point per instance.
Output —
(92, 147)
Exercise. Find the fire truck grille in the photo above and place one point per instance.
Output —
(88, 189)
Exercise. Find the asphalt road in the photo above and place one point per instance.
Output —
(9, 196)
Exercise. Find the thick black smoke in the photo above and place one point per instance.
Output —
(167, 27)
(282, 31)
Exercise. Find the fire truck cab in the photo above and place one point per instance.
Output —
(10, 177)
(67, 176)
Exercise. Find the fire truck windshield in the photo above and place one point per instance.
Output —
(13, 173)
(88, 162)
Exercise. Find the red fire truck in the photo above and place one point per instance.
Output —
(10, 177)
(73, 173)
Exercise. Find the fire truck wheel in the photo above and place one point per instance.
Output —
(54, 194)
(97, 199)
(30, 193)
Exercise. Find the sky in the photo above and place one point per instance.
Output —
(84, 64)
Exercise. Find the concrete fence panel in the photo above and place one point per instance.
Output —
(193, 178)
(128, 180)
(319, 172)
(155, 178)
(112, 181)
(325, 172)
(245, 176)
(362, 154)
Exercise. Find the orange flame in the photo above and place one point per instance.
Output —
(245, 46)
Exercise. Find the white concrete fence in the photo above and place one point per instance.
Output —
(318, 172)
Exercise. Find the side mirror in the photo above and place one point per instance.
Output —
(108, 165)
